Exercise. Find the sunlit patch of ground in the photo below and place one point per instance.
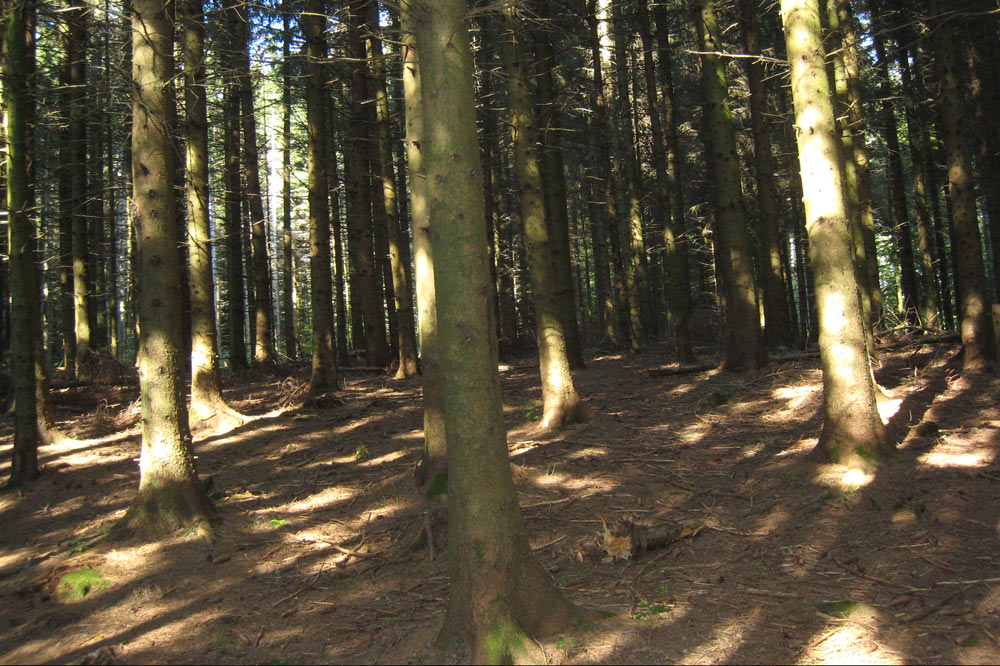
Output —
(326, 554)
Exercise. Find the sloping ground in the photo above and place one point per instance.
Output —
(323, 552)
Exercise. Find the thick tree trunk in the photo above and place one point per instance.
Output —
(744, 350)
(76, 53)
(975, 323)
(561, 404)
(324, 357)
(207, 405)
(853, 433)
(499, 594)
(233, 199)
(170, 496)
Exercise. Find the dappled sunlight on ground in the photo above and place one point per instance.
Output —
(325, 552)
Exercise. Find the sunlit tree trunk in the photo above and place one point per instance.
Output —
(745, 350)
(554, 176)
(853, 432)
(399, 251)
(561, 404)
(431, 473)
(499, 593)
(76, 51)
(207, 405)
(170, 496)
(324, 356)
(974, 319)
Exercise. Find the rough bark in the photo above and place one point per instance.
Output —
(170, 496)
(76, 51)
(777, 325)
(744, 350)
(561, 404)
(974, 318)
(24, 456)
(499, 594)
(287, 275)
(324, 357)
(399, 251)
(207, 405)
(233, 200)
(853, 433)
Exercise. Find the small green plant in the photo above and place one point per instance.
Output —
(648, 609)
(361, 452)
(564, 642)
(221, 639)
(78, 584)
(838, 609)
(277, 523)
(529, 412)
(971, 641)
(75, 546)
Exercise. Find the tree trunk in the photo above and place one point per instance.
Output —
(431, 474)
(744, 351)
(561, 404)
(554, 177)
(170, 496)
(233, 199)
(324, 355)
(777, 326)
(76, 52)
(853, 433)
(287, 275)
(399, 251)
(499, 593)
(23, 281)
(975, 322)
(207, 404)
(364, 280)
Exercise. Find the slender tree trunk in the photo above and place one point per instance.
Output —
(364, 279)
(600, 131)
(399, 251)
(900, 222)
(744, 351)
(287, 275)
(561, 404)
(777, 326)
(678, 298)
(263, 351)
(67, 328)
(336, 224)
(23, 280)
(233, 199)
(324, 356)
(499, 593)
(431, 473)
(554, 177)
(853, 432)
(76, 52)
(170, 496)
(207, 404)
(975, 323)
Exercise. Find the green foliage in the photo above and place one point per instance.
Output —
(649, 609)
(361, 452)
(78, 584)
(839, 609)
(529, 412)
(221, 639)
(277, 523)
(971, 641)
(75, 546)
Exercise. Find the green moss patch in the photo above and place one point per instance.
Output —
(78, 584)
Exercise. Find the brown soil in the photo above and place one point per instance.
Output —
(314, 559)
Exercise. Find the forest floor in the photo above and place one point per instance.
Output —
(315, 558)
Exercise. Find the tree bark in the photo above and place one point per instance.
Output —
(499, 594)
(170, 496)
(76, 52)
(561, 404)
(744, 350)
(287, 275)
(324, 357)
(233, 199)
(853, 433)
(974, 318)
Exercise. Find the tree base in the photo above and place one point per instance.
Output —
(165, 509)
